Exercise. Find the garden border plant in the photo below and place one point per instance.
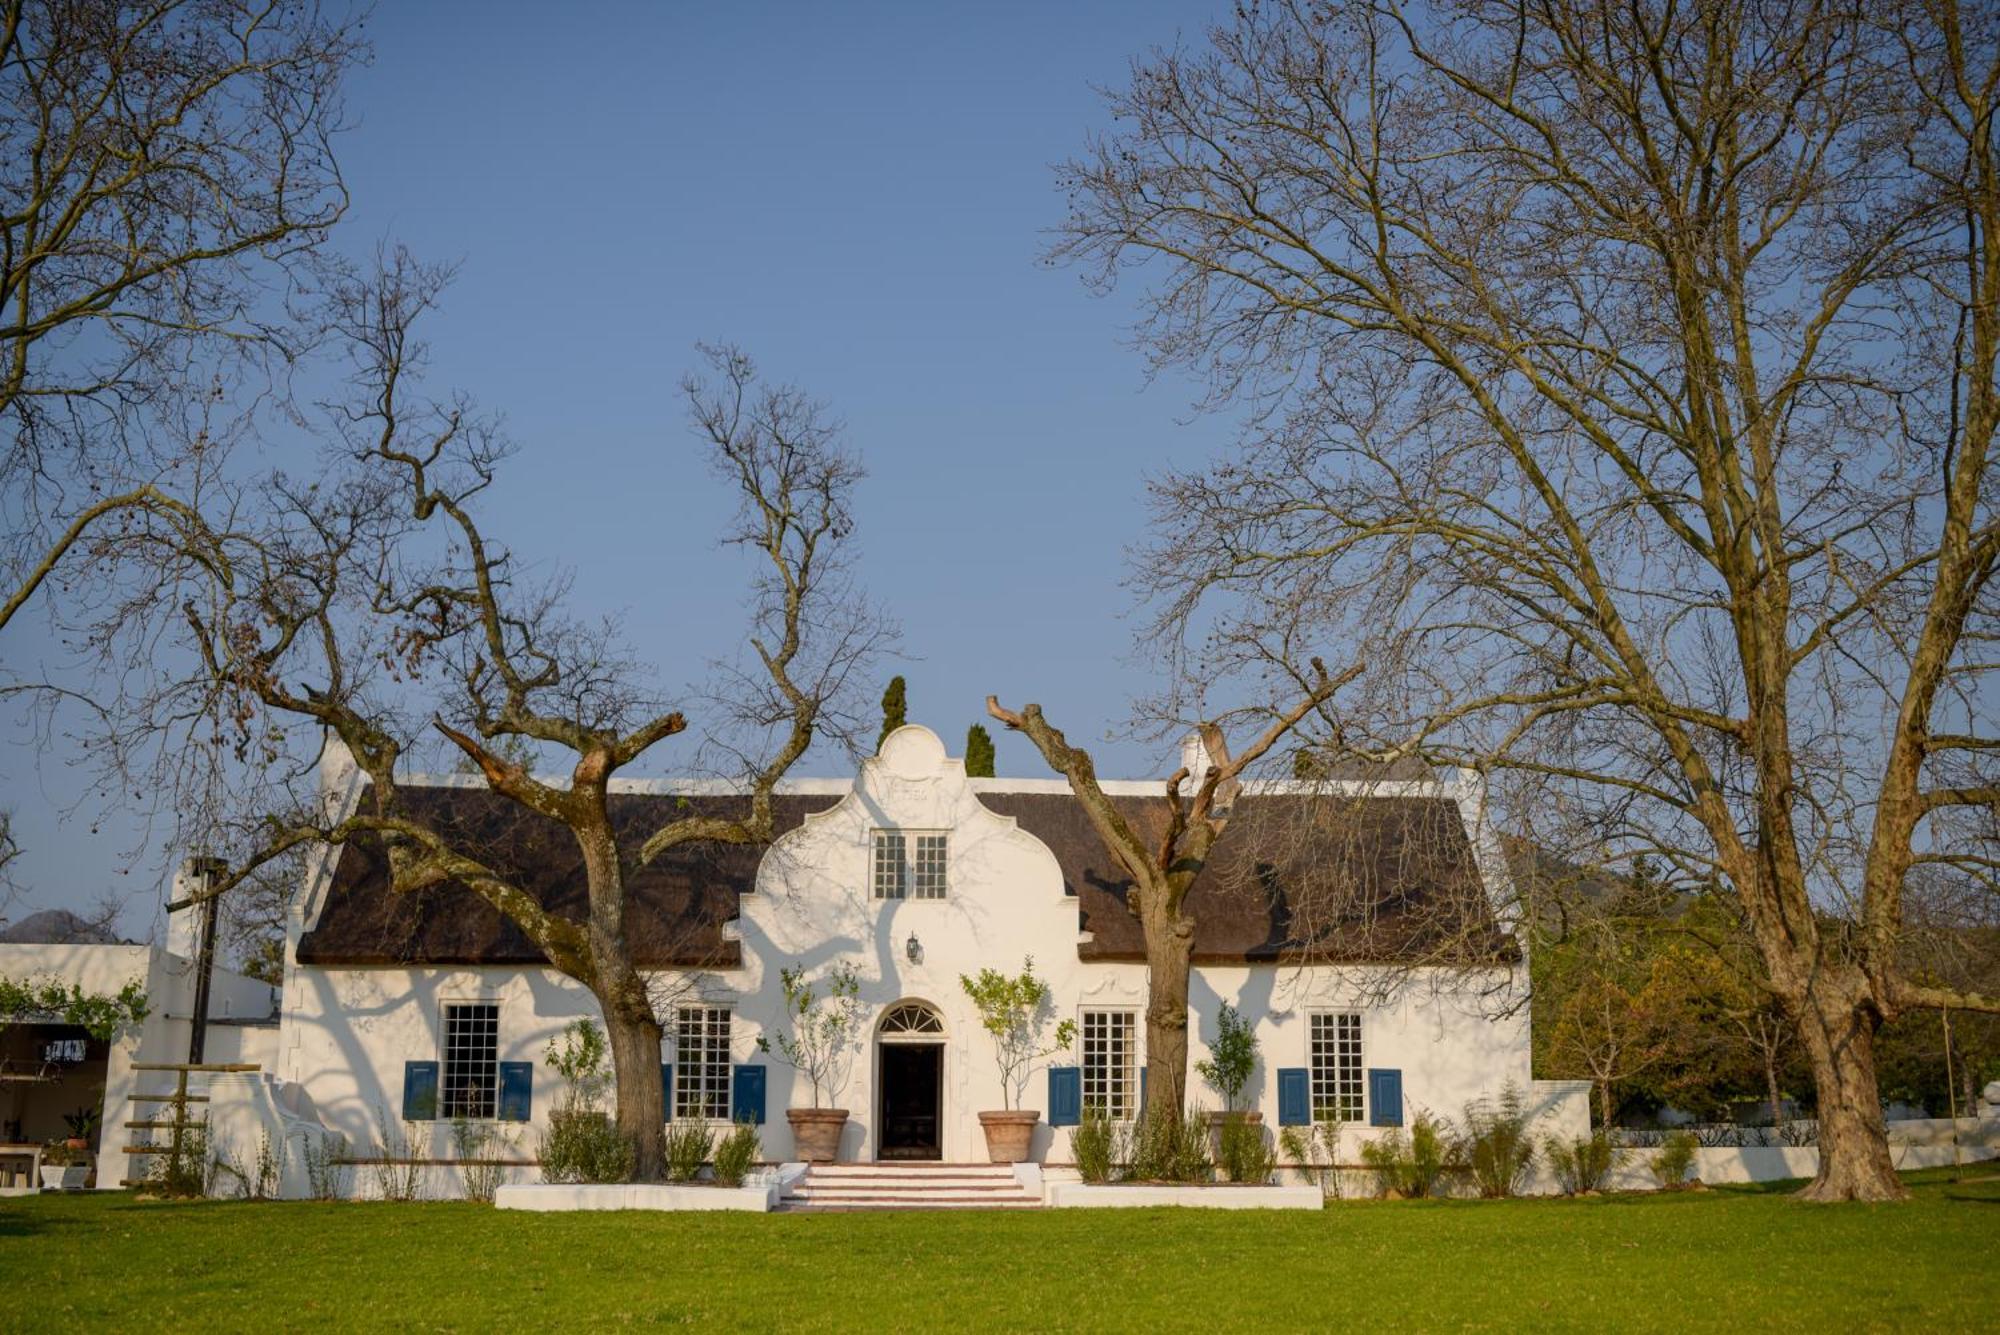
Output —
(582, 1144)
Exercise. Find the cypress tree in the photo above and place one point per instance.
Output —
(978, 753)
(895, 712)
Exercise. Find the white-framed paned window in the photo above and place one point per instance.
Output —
(927, 863)
(891, 873)
(907, 864)
(1110, 1079)
(471, 1060)
(1336, 1066)
(701, 1063)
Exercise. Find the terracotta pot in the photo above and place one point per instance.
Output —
(816, 1132)
(1009, 1134)
(77, 1143)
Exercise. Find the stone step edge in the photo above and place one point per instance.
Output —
(891, 1210)
(893, 1200)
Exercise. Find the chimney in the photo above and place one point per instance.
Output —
(1194, 759)
(339, 775)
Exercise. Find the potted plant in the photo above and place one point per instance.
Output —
(80, 1123)
(63, 1168)
(1015, 1011)
(1232, 1059)
(821, 1048)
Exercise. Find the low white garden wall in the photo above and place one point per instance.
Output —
(1912, 1144)
(635, 1196)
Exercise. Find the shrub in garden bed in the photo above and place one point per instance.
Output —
(735, 1154)
(1580, 1165)
(1495, 1146)
(688, 1146)
(582, 1144)
(1675, 1158)
(1409, 1166)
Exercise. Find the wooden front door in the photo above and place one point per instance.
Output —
(911, 1099)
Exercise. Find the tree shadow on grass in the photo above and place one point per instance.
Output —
(1975, 1190)
(18, 1223)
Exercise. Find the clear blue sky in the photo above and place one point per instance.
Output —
(858, 195)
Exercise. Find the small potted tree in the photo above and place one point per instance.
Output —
(821, 1047)
(1232, 1059)
(1015, 1011)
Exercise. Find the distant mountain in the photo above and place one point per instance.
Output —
(58, 927)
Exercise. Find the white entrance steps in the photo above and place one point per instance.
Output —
(909, 1186)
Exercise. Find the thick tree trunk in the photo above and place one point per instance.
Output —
(634, 1037)
(1837, 1026)
(1169, 957)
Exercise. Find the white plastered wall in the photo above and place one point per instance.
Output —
(347, 1032)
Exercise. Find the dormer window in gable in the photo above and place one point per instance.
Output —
(909, 864)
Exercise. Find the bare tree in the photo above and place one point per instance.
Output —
(1624, 381)
(166, 171)
(372, 605)
(1164, 862)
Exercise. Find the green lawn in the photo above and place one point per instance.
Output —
(1744, 1260)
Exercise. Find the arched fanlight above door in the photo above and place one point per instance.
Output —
(911, 1019)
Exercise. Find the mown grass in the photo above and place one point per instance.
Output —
(1744, 1259)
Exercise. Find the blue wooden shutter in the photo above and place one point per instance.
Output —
(667, 1091)
(1385, 1098)
(517, 1091)
(420, 1091)
(1065, 1095)
(1142, 1090)
(746, 1095)
(1294, 1096)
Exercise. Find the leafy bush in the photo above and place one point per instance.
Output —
(1409, 1166)
(735, 1154)
(688, 1145)
(1096, 1143)
(583, 1145)
(1314, 1149)
(180, 1171)
(1245, 1155)
(329, 1169)
(1430, 1154)
(398, 1174)
(1171, 1149)
(1582, 1164)
(1495, 1146)
(257, 1180)
(1675, 1158)
(1387, 1156)
(477, 1146)
(1232, 1057)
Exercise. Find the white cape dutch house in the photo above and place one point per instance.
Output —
(400, 1013)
